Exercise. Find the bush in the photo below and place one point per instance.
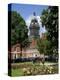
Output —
(24, 60)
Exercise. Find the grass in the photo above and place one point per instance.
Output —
(17, 72)
(28, 68)
(21, 63)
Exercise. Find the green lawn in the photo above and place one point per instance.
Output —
(28, 68)
(17, 72)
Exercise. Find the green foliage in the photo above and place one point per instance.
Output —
(19, 30)
(49, 19)
(43, 46)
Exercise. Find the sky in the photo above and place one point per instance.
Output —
(27, 10)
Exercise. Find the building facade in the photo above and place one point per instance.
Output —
(31, 51)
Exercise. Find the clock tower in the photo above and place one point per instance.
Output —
(34, 30)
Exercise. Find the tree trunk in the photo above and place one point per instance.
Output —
(21, 51)
(43, 60)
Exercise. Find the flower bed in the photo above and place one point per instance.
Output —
(33, 69)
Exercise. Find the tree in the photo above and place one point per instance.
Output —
(49, 19)
(43, 46)
(19, 30)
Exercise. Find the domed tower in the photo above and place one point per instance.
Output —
(34, 30)
(34, 27)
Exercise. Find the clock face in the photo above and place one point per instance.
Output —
(35, 23)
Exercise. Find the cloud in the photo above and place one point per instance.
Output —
(28, 20)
